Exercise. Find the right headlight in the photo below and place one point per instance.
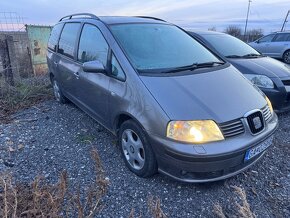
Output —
(261, 81)
(195, 131)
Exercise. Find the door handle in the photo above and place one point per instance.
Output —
(77, 75)
(113, 93)
(55, 63)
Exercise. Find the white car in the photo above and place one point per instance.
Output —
(276, 45)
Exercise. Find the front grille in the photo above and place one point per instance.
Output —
(232, 128)
(286, 82)
(256, 122)
(266, 113)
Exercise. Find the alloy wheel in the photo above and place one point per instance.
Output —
(133, 149)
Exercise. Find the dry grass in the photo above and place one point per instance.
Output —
(25, 93)
(40, 199)
(218, 210)
(242, 209)
(154, 206)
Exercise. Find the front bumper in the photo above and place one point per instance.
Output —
(212, 161)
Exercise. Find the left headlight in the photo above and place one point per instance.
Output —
(198, 131)
(261, 81)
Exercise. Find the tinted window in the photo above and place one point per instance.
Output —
(281, 37)
(68, 39)
(54, 36)
(92, 45)
(228, 45)
(158, 46)
(267, 38)
(117, 71)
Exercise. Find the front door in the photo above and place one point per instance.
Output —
(262, 45)
(93, 87)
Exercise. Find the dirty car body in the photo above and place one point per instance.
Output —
(174, 106)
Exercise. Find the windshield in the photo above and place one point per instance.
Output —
(160, 46)
(230, 46)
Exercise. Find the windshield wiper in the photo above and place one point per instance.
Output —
(194, 66)
(252, 55)
(234, 56)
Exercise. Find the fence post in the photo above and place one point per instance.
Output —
(6, 61)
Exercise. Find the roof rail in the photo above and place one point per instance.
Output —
(154, 18)
(68, 17)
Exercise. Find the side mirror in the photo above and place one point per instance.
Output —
(94, 67)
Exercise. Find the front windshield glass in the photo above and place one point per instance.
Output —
(160, 46)
(230, 46)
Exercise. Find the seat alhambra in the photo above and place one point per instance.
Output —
(175, 106)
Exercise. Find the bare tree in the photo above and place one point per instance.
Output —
(213, 28)
(234, 31)
(254, 34)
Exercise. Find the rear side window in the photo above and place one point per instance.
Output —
(282, 37)
(93, 45)
(68, 39)
(54, 36)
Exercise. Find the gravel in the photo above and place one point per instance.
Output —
(49, 138)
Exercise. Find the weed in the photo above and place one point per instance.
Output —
(243, 208)
(40, 199)
(25, 93)
(154, 206)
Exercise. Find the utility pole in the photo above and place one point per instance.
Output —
(245, 32)
(285, 21)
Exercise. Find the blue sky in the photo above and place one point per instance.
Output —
(265, 14)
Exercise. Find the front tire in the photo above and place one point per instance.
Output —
(286, 57)
(136, 151)
(58, 93)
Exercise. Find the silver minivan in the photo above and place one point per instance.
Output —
(175, 106)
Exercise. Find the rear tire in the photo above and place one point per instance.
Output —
(286, 57)
(57, 92)
(136, 151)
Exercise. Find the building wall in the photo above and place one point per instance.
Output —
(19, 52)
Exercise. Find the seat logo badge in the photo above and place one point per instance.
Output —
(257, 122)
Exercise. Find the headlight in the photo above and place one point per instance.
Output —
(199, 131)
(260, 80)
(269, 104)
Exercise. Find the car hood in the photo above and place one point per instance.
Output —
(221, 95)
(264, 65)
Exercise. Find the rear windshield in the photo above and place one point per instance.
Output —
(228, 45)
(160, 46)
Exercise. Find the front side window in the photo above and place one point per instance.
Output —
(117, 71)
(267, 38)
(152, 47)
(93, 45)
(281, 37)
(54, 36)
(228, 45)
(68, 39)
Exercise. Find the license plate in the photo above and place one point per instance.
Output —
(258, 149)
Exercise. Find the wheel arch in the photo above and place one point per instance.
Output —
(286, 50)
(121, 118)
